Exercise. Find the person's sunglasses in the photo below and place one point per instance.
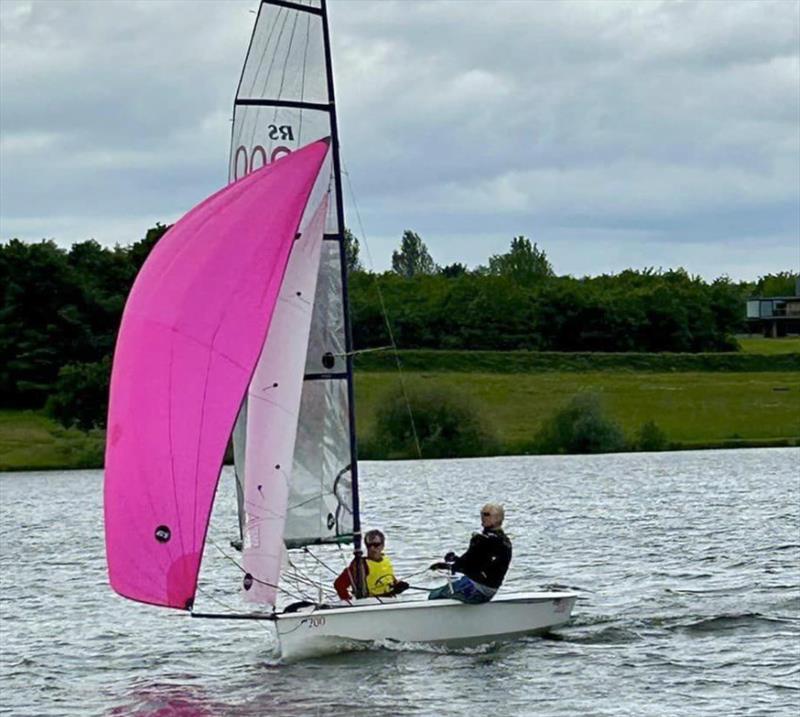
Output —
(374, 545)
(486, 514)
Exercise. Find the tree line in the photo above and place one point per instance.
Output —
(516, 302)
(61, 309)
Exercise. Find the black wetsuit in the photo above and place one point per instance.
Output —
(487, 558)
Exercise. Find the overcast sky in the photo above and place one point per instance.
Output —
(614, 134)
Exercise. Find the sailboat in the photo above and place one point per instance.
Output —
(237, 326)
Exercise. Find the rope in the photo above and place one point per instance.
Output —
(296, 596)
(321, 562)
(419, 572)
(363, 351)
(219, 602)
(298, 576)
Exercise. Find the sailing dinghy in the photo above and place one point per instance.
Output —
(237, 325)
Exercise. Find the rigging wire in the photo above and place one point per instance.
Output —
(289, 593)
(388, 323)
(321, 562)
(393, 346)
(219, 602)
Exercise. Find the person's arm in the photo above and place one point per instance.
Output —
(397, 586)
(460, 562)
(344, 583)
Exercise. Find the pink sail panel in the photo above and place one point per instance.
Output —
(272, 412)
(190, 337)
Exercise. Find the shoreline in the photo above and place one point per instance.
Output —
(730, 444)
(695, 408)
(733, 445)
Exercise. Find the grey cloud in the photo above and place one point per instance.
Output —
(672, 123)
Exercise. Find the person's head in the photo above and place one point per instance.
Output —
(374, 540)
(492, 515)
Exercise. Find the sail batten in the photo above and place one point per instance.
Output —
(315, 10)
(293, 104)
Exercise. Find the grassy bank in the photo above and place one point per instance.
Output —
(695, 409)
(760, 345)
(31, 441)
(532, 362)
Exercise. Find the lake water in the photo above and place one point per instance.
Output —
(687, 566)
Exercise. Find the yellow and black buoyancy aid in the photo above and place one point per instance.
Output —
(380, 577)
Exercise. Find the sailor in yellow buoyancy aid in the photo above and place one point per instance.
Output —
(380, 578)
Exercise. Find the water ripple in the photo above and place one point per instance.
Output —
(687, 567)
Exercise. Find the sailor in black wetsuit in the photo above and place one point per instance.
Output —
(483, 566)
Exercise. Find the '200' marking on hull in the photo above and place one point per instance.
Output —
(312, 622)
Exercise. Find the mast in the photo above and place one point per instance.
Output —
(359, 578)
(284, 102)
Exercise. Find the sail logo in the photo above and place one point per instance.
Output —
(280, 131)
(163, 534)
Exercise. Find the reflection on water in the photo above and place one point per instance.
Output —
(687, 566)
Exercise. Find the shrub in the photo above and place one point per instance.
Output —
(580, 427)
(80, 396)
(650, 437)
(447, 425)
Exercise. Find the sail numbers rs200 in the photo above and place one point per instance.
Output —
(245, 161)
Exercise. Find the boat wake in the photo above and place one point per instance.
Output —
(751, 622)
(398, 646)
(612, 635)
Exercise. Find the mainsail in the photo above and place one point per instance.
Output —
(192, 331)
(284, 101)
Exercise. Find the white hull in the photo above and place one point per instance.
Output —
(313, 632)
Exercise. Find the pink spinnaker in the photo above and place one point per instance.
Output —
(191, 334)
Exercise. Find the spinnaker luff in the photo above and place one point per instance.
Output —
(191, 334)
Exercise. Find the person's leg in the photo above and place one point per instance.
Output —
(443, 593)
(465, 591)
(462, 590)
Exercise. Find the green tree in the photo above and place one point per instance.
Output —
(413, 257)
(140, 250)
(650, 437)
(581, 427)
(524, 262)
(447, 425)
(80, 395)
(351, 250)
(40, 320)
(451, 271)
(784, 283)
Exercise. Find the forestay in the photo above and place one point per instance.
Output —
(283, 102)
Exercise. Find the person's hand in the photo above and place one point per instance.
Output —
(400, 587)
(450, 557)
(439, 566)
